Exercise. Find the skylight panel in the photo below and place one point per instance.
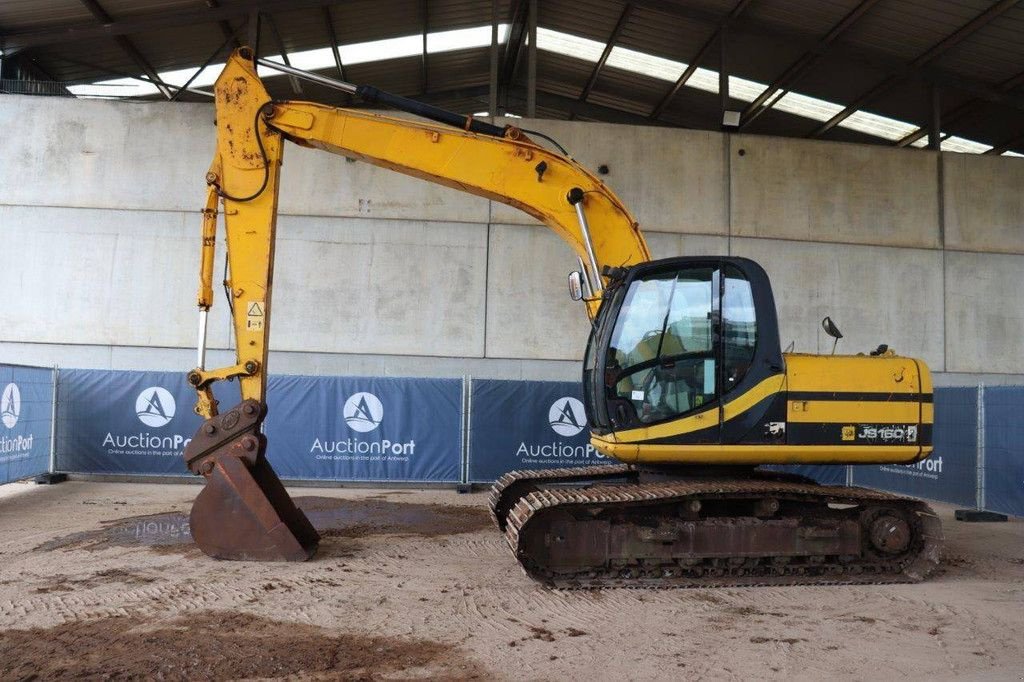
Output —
(118, 87)
(959, 144)
(569, 45)
(641, 62)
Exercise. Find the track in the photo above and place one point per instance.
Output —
(601, 527)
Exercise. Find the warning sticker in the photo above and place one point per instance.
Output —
(254, 316)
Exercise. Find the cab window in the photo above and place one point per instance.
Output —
(739, 333)
(662, 358)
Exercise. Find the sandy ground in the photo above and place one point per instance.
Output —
(417, 584)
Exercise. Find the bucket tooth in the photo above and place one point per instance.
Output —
(244, 512)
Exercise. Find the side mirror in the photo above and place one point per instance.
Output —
(832, 330)
(576, 285)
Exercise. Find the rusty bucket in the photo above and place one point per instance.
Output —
(244, 512)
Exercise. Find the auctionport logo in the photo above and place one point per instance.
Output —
(363, 412)
(155, 406)
(10, 405)
(567, 417)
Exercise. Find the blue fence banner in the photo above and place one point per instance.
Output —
(319, 428)
(365, 429)
(950, 474)
(526, 425)
(26, 411)
(123, 422)
(1004, 449)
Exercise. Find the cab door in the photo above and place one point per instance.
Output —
(663, 358)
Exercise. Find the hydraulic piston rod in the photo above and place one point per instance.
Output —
(575, 198)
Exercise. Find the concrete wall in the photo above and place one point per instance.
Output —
(382, 274)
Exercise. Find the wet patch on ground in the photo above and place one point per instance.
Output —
(64, 583)
(220, 645)
(333, 518)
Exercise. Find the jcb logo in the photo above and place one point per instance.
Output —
(849, 433)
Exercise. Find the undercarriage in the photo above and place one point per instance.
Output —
(617, 526)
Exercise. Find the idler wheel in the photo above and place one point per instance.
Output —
(889, 534)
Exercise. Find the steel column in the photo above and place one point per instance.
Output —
(492, 96)
(531, 64)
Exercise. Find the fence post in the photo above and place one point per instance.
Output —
(980, 480)
(53, 421)
(467, 403)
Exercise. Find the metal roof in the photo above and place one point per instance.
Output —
(854, 70)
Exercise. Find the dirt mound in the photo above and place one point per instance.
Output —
(169, 532)
(219, 645)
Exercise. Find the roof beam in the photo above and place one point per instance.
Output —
(425, 13)
(659, 108)
(227, 40)
(612, 39)
(230, 34)
(514, 45)
(296, 86)
(128, 47)
(960, 111)
(1008, 145)
(936, 51)
(802, 65)
(333, 39)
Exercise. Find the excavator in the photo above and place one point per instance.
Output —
(684, 380)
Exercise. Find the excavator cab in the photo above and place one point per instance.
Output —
(678, 337)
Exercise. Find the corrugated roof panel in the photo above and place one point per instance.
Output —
(459, 69)
(835, 80)
(594, 19)
(908, 28)
(125, 9)
(400, 76)
(165, 52)
(561, 74)
(93, 60)
(358, 21)
(452, 14)
(300, 30)
(757, 58)
(813, 18)
(25, 15)
(637, 93)
(994, 53)
(664, 35)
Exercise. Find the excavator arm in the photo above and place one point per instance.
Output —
(244, 511)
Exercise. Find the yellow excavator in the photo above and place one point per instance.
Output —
(684, 379)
